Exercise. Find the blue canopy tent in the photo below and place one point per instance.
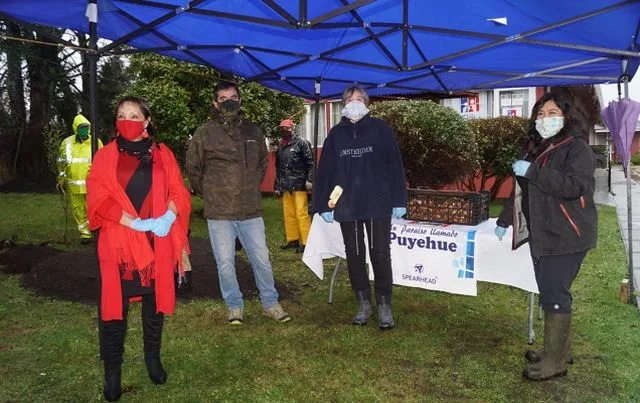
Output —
(387, 46)
(315, 48)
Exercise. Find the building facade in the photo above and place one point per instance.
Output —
(496, 102)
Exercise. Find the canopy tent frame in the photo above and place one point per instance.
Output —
(393, 27)
(352, 14)
(289, 21)
(632, 286)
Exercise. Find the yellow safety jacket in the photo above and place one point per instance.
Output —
(74, 160)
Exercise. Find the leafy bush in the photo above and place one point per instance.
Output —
(498, 145)
(635, 159)
(180, 95)
(53, 136)
(172, 119)
(436, 144)
(601, 154)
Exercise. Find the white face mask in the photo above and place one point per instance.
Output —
(354, 110)
(549, 127)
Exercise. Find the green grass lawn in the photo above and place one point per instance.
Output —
(444, 348)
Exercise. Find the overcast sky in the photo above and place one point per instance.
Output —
(610, 91)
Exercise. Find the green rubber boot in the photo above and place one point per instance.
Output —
(557, 347)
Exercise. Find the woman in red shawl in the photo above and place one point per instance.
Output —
(137, 202)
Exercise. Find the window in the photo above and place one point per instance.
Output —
(489, 95)
(514, 103)
(336, 112)
(306, 128)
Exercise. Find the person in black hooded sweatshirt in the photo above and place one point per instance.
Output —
(361, 155)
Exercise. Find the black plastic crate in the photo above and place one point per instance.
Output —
(449, 207)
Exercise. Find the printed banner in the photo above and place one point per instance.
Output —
(449, 258)
(433, 257)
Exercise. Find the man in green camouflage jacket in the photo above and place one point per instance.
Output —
(226, 161)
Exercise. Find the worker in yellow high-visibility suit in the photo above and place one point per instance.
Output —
(74, 161)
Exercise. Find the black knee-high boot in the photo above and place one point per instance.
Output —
(112, 335)
(152, 324)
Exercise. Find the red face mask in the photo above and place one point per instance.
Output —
(131, 129)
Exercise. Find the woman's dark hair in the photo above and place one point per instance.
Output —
(534, 144)
(142, 104)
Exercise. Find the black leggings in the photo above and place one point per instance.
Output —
(379, 235)
(113, 332)
(554, 275)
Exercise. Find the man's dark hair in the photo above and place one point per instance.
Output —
(224, 85)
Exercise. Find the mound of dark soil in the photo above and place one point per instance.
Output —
(74, 276)
(45, 184)
(20, 259)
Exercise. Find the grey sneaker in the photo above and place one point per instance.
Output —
(236, 316)
(277, 313)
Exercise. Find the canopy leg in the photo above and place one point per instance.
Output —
(532, 301)
(333, 279)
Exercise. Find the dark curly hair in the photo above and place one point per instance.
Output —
(534, 144)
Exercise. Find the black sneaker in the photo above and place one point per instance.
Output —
(300, 249)
(290, 245)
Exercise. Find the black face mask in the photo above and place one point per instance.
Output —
(229, 108)
(286, 133)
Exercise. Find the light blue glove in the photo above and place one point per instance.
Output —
(398, 212)
(142, 225)
(500, 231)
(163, 224)
(327, 217)
(520, 167)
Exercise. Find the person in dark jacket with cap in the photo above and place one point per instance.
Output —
(294, 177)
(361, 162)
(552, 208)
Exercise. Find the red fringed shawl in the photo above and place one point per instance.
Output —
(121, 246)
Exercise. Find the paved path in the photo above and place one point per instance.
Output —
(619, 187)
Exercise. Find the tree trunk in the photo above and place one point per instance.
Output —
(495, 188)
(43, 66)
(17, 112)
(483, 180)
(15, 80)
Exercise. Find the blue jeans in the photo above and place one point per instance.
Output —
(251, 234)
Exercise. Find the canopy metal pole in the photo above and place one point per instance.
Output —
(92, 14)
(316, 125)
(609, 157)
(629, 215)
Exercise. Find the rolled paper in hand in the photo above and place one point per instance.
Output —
(334, 196)
(186, 263)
